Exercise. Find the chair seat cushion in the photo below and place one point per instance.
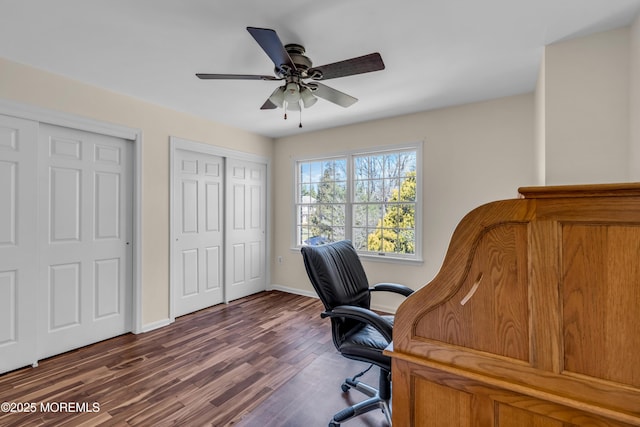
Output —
(367, 344)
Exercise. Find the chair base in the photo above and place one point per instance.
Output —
(377, 400)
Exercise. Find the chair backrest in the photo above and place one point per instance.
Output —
(336, 274)
(338, 278)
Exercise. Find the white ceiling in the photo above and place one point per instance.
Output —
(437, 52)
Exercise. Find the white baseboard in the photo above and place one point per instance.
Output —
(296, 291)
(384, 308)
(274, 287)
(154, 325)
(312, 294)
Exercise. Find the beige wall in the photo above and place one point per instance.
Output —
(30, 86)
(634, 102)
(540, 126)
(586, 113)
(473, 154)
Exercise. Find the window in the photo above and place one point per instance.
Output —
(369, 198)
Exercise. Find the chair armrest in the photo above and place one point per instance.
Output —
(363, 315)
(393, 287)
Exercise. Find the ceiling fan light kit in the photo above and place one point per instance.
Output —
(307, 97)
(292, 93)
(292, 66)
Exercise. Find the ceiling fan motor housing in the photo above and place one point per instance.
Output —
(296, 53)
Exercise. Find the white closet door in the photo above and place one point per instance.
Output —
(198, 231)
(246, 224)
(18, 274)
(85, 288)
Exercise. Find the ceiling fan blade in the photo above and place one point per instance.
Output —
(268, 105)
(273, 47)
(332, 95)
(348, 67)
(206, 76)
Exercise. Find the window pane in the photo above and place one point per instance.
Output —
(359, 215)
(360, 239)
(391, 165)
(360, 166)
(367, 214)
(376, 191)
(338, 215)
(340, 192)
(341, 170)
(305, 173)
(327, 171)
(304, 195)
(360, 192)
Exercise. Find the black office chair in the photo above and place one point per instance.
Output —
(358, 333)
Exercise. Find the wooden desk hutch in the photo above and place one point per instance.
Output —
(533, 319)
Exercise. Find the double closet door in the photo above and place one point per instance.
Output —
(65, 239)
(219, 222)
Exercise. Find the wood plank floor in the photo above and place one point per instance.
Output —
(264, 360)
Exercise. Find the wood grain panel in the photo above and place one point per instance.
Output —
(517, 411)
(452, 406)
(509, 416)
(544, 280)
(601, 292)
(494, 294)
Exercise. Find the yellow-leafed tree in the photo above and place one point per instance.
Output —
(395, 231)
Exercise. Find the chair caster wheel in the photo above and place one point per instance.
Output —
(332, 424)
(345, 388)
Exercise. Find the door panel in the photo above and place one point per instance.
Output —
(189, 206)
(107, 292)
(64, 296)
(214, 262)
(238, 260)
(85, 239)
(107, 195)
(18, 277)
(213, 206)
(246, 241)
(190, 269)
(64, 206)
(8, 307)
(8, 191)
(197, 205)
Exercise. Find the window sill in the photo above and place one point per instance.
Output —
(381, 258)
(392, 259)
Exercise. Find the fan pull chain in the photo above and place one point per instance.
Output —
(300, 124)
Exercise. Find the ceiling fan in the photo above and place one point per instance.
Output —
(301, 87)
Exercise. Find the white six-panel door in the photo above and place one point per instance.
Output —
(85, 269)
(198, 231)
(65, 240)
(218, 223)
(246, 225)
(18, 270)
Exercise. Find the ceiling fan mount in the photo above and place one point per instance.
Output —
(294, 67)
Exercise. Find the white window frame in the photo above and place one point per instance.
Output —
(350, 155)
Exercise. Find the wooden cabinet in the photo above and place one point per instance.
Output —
(533, 319)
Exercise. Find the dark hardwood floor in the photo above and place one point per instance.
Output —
(264, 360)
